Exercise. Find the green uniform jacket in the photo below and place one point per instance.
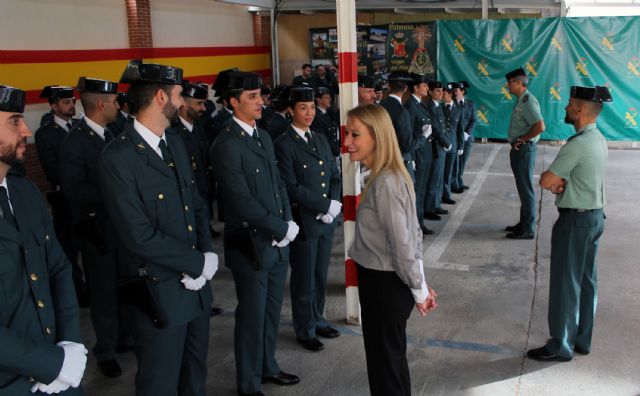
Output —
(162, 223)
(401, 120)
(311, 178)
(419, 117)
(468, 118)
(436, 114)
(38, 306)
(252, 191)
(197, 151)
(48, 141)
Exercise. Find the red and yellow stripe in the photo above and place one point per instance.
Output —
(32, 70)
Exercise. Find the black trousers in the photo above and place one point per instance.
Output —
(385, 303)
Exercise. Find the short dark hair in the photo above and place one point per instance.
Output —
(397, 86)
(305, 66)
(141, 94)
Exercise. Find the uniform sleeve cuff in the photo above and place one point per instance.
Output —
(421, 294)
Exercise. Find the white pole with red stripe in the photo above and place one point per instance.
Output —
(348, 65)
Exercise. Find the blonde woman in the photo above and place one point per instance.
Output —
(387, 249)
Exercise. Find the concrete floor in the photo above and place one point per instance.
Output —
(492, 295)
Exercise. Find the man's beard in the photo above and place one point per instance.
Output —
(194, 114)
(9, 156)
(567, 119)
(169, 110)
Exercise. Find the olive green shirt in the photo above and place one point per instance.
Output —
(582, 163)
(525, 114)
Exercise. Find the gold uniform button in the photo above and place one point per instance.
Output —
(31, 379)
(257, 170)
(321, 173)
(34, 277)
(46, 237)
(320, 162)
(47, 330)
(186, 207)
(40, 304)
(280, 210)
(324, 195)
(189, 228)
(193, 247)
(323, 184)
(160, 196)
(304, 166)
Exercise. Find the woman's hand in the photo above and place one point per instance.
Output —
(429, 304)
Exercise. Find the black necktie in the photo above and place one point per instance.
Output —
(6, 208)
(69, 125)
(310, 141)
(256, 137)
(166, 154)
(108, 135)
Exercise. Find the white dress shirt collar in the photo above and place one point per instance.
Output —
(151, 138)
(99, 129)
(417, 98)
(300, 132)
(4, 184)
(246, 127)
(396, 97)
(61, 123)
(186, 124)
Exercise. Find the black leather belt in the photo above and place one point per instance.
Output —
(572, 210)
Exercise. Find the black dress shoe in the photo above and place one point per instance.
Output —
(513, 228)
(432, 216)
(282, 378)
(448, 201)
(543, 355)
(426, 231)
(521, 235)
(327, 332)
(110, 368)
(457, 190)
(441, 211)
(465, 187)
(258, 393)
(313, 344)
(215, 311)
(581, 351)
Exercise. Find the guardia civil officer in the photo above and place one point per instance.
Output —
(453, 131)
(95, 233)
(400, 116)
(40, 339)
(162, 226)
(280, 120)
(124, 115)
(223, 116)
(258, 228)
(442, 145)
(48, 139)
(325, 122)
(468, 123)
(267, 107)
(366, 86)
(422, 151)
(525, 128)
(310, 173)
(577, 177)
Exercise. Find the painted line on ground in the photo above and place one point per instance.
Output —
(496, 174)
(437, 248)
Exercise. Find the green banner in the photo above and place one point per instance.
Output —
(556, 53)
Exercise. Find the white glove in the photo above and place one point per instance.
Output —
(280, 244)
(413, 164)
(210, 265)
(460, 152)
(448, 149)
(327, 218)
(75, 361)
(193, 284)
(466, 136)
(292, 231)
(56, 386)
(334, 208)
(426, 130)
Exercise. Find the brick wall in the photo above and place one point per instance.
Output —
(34, 170)
(139, 22)
(262, 35)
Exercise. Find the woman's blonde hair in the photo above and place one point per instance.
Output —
(387, 154)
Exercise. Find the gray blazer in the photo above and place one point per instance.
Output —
(388, 236)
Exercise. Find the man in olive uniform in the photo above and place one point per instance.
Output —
(422, 148)
(324, 121)
(40, 339)
(442, 144)
(163, 229)
(468, 123)
(310, 173)
(280, 122)
(366, 86)
(525, 128)
(95, 234)
(577, 177)
(48, 139)
(453, 130)
(258, 229)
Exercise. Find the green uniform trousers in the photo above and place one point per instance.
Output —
(523, 161)
(573, 283)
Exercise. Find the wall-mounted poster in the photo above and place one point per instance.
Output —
(412, 48)
(333, 35)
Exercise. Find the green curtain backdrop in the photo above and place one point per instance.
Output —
(556, 53)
